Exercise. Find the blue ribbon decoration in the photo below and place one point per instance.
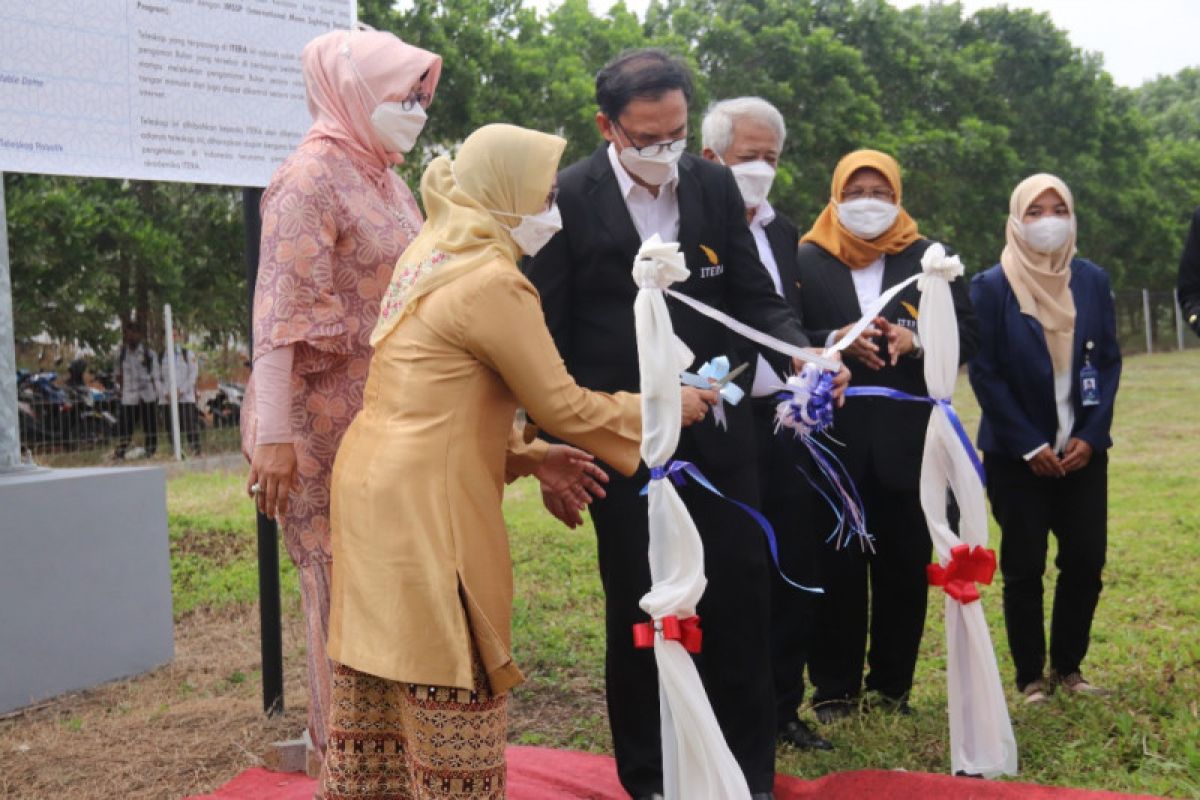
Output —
(714, 370)
(676, 470)
(846, 503)
(945, 405)
(806, 407)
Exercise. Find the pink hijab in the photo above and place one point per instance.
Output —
(341, 106)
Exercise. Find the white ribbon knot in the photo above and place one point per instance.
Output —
(936, 264)
(658, 264)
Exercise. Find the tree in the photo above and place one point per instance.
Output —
(90, 253)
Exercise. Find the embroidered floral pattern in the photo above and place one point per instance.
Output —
(331, 234)
(404, 278)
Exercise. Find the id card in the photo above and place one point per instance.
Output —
(1089, 386)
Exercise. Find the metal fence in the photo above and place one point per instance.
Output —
(75, 416)
(68, 423)
(74, 419)
(1151, 322)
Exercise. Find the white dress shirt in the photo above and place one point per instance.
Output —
(766, 380)
(186, 369)
(139, 382)
(868, 285)
(1065, 413)
(650, 214)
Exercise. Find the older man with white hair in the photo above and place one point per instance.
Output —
(747, 135)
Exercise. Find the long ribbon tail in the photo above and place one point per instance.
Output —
(753, 335)
(854, 522)
(673, 471)
(945, 405)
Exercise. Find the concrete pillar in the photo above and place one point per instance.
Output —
(10, 430)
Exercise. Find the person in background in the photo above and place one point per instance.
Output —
(747, 135)
(186, 371)
(1046, 377)
(863, 243)
(335, 218)
(420, 624)
(638, 184)
(137, 375)
(1189, 275)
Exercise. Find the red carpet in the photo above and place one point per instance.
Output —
(536, 773)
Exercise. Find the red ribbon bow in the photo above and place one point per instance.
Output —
(685, 631)
(967, 567)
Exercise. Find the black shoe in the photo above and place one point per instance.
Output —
(831, 710)
(802, 737)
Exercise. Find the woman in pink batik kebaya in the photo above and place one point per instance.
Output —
(335, 218)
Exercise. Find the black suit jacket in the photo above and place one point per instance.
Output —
(1189, 273)
(783, 239)
(584, 275)
(882, 435)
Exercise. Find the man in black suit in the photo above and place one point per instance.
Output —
(747, 135)
(638, 184)
(846, 261)
(1189, 275)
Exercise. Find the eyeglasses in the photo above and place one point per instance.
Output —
(650, 150)
(886, 195)
(416, 98)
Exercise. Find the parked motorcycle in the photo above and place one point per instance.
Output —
(50, 404)
(225, 407)
(94, 423)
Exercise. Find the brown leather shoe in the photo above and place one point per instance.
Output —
(1075, 683)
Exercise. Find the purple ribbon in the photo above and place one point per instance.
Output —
(678, 471)
(945, 405)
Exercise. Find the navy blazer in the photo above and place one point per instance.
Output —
(1012, 375)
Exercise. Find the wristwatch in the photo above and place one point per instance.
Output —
(917, 351)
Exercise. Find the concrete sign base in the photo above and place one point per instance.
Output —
(85, 579)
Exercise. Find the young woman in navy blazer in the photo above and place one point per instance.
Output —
(1046, 376)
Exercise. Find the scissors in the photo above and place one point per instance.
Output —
(732, 374)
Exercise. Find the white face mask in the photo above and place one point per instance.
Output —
(754, 179)
(867, 218)
(534, 230)
(397, 127)
(1048, 234)
(655, 170)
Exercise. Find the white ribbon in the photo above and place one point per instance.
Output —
(981, 735)
(756, 336)
(697, 763)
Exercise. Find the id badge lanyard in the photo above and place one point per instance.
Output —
(1089, 378)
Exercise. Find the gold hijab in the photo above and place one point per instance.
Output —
(1042, 281)
(501, 171)
(843, 245)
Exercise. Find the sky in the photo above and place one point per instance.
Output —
(1139, 39)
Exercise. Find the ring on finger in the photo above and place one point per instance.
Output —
(256, 488)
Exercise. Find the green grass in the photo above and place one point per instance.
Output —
(213, 543)
(1145, 642)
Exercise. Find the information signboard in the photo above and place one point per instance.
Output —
(206, 91)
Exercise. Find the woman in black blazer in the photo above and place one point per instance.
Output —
(863, 243)
(1046, 377)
